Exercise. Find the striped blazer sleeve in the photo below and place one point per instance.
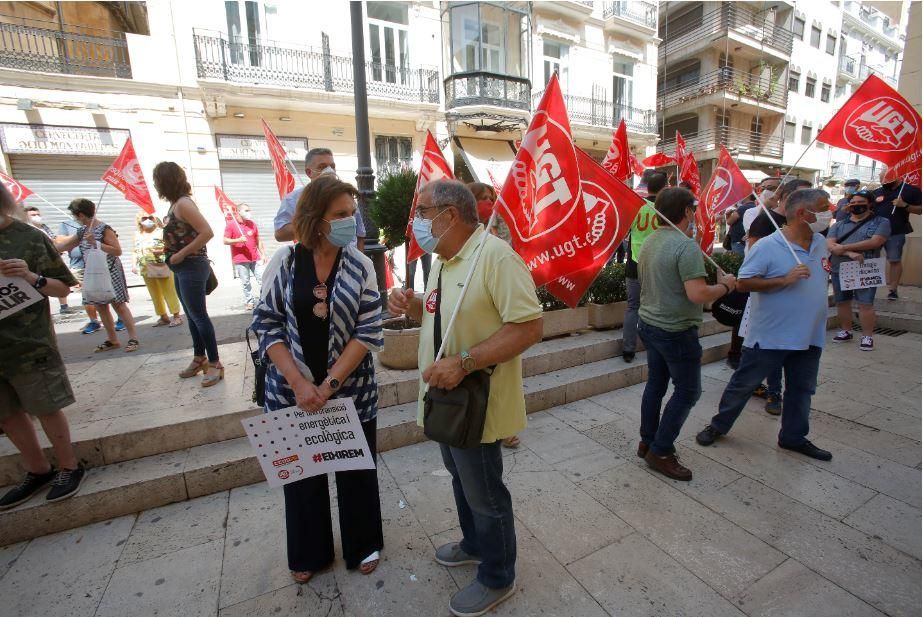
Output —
(368, 329)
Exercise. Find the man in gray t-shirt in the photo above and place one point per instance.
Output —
(673, 289)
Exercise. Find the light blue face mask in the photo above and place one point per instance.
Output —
(342, 231)
(423, 233)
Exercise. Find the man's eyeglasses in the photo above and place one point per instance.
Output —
(421, 210)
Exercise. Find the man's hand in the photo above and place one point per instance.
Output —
(836, 248)
(308, 396)
(797, 273)
(899, 202)
(399, 301)
(728, 279)
(14, 267)
(445, 374)
(856, 256)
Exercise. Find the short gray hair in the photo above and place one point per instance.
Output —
(803, 199)
(454, 193)
(316, 152)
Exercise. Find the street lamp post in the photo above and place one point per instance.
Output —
(365, 177)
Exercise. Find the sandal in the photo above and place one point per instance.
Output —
(369, 564)
(106, 346)
(163, 321)
(511, 442)
(210, 380)
(301, 577)
(132, 345)
(195, 367)
(176, 321)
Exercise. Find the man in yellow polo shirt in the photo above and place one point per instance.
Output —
(500, 318)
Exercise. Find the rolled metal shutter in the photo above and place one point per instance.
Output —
(253, 183)
(61, 179)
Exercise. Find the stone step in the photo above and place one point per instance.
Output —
(167, 421)
(898, 321)
(122, 488)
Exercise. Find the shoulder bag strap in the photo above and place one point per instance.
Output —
(437, 317)
(854, 230)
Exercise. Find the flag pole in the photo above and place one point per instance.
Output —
(704, 254)
(899, 192)
(50, 204)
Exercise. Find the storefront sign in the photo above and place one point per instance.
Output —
(253, 148)
(72, 140)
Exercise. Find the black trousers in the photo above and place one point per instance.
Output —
(309, 527)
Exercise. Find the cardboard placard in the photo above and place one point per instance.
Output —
(292, 444)
(854, 275)
(15, 295)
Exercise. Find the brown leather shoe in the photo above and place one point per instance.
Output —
(642, 449)
(668, 466)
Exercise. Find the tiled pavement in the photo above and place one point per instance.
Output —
(758, 531)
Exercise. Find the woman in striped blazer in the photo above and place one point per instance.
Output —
(318, 320)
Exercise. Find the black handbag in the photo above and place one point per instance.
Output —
(212, 283)
(455, 417)
(728, 310)
(259, 374)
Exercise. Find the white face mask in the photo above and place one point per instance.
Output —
(245, 216)
(148, 224)
(822, 222)
(328, 170)
(36, 219)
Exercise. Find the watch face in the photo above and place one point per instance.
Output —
(334, 383)
(468, 364)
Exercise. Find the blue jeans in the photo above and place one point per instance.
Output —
(774, 381)
(630, 325)
(670, 355)
(245, 271)
(800, 368)
(485, 511)
(190, 277)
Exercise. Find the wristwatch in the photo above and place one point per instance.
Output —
(467, 362)
(333, 383)
(40, 282)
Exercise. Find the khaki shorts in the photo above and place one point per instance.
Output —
(41, 391)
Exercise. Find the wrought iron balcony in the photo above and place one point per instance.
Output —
(483, 88)
(599, 111)
(762, 90)
(246, 63)
(849, 66)
(642, 13)
(100, 53)
(729, 17)
(746, 143)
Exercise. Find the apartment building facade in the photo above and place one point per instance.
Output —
(191, 82)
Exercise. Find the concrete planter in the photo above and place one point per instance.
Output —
(401, 345)
(564, 321)
(607, 316)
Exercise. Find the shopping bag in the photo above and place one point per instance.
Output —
(97, 282)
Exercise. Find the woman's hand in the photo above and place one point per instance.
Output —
(307, 396)
(176, 258)
(90, 238)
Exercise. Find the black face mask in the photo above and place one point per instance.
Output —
(858, 210)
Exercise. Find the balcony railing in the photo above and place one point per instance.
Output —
(745, 142)
(642, 13)
(217, 58)
(764, 90)
(849, 66)
(863, 173)
(483, 88)
(29, 48)
(597, 111)
(873, 19)
(728, 17)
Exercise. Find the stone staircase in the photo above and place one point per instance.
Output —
(901, 314)
(183, 442)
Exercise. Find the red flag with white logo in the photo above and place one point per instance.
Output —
(541, 198)
(610, 207)
(727, 185)
(18, 190)
(689, 173)
(433, 167)
(636, 167)
(876, 122)
(705, 229)
(616, 161)
(658, 159)
(228, 207)
(680, 153)
(125, 175)
(907, 171)
(285, 181)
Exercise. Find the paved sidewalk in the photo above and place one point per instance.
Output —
(759, 531)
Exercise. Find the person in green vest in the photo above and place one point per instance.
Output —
(645, 223)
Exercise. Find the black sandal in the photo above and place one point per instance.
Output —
(132, 345)
(107, 346)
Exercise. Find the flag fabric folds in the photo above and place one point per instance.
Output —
(433, 167)
(285, 181)
(617, 158)
(125, 175)
(18, 190)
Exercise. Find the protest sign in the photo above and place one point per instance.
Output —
(15, 295)
(292, 444)
(854, 275)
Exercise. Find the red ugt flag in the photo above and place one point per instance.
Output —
(610, 208)
(541, 199)
(616, 161)
(18, 190)
(228, 207)
(658, 159)
(689, 173)
(680, 153)
(433, 167)
(126, 176)
(285, 181)
(636, 167)
(726, 187)
(879, 123)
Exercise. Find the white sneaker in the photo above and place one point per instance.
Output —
(867, 344)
